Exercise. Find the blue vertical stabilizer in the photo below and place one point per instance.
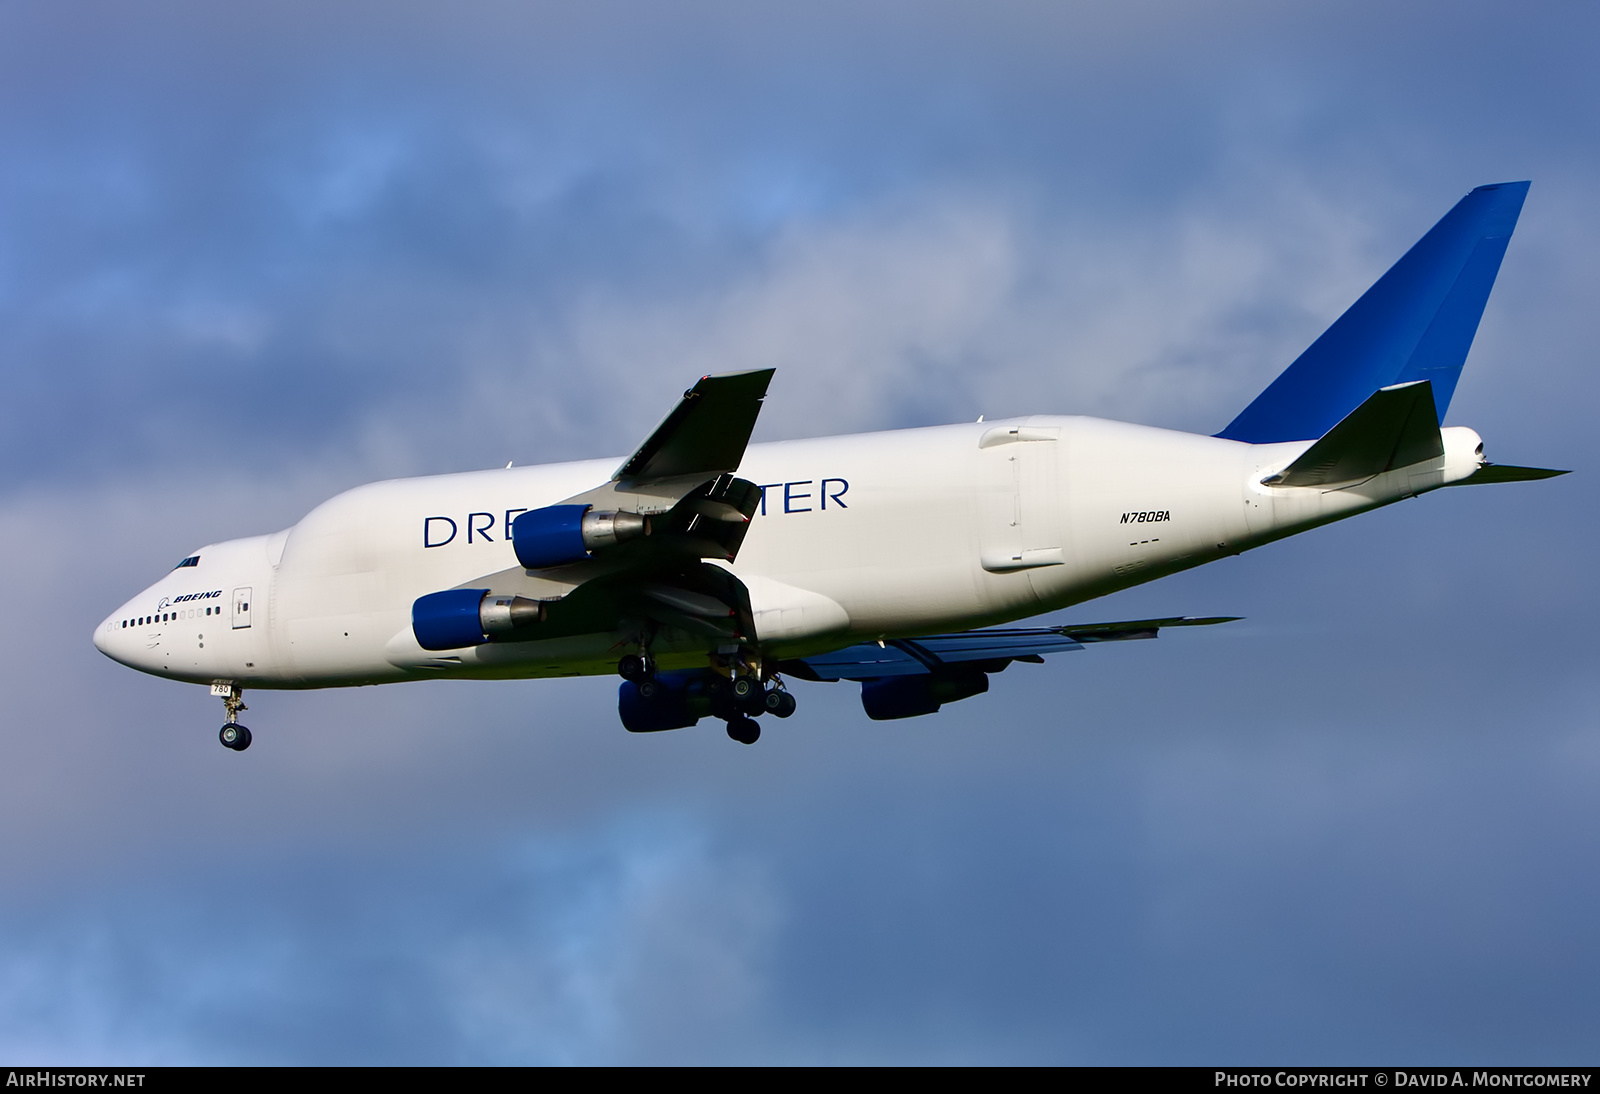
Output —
(1416, 323)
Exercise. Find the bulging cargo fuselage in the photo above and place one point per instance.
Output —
(706, 571)
(863, 537)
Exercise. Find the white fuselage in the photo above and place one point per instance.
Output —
(860, 537)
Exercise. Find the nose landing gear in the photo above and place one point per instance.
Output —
(232, 735)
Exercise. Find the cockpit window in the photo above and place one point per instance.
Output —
(192, 560)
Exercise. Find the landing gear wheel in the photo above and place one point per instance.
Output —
(636, 667)
(748, 698)
(234, 736)
(744, 730)
(648, 688)
(778, 703)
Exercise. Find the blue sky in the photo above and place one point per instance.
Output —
(251, 257)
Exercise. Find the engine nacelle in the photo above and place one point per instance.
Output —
(559, 535)
(457, 618)
(890, 697)
(679, 699)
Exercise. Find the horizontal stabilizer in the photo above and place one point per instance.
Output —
(1504, 472)
(1416, 323)
(706, 433)
(1396, 427)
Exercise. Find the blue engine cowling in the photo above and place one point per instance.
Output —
(682, 697)
(889, 697)
(668, 710)
(559, 535)
(552, 536)
(470, 617)
(448, 620)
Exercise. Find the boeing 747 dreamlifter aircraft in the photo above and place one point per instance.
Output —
(706, 571)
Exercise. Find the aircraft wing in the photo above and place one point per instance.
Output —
(635, 547)
(985, 650)
(705, 434)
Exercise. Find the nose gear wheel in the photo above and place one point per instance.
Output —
(232, 734)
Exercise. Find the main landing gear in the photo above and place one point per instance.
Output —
(232, 735)
(750, 697)
(731, 690)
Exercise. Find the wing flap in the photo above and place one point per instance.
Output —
(989, 645)
(857, 662)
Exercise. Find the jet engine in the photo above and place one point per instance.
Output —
(559, 535)
(889, 697)
(672, 700)
(469, 617)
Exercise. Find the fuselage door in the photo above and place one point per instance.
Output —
(1019, 519)
(241, 607)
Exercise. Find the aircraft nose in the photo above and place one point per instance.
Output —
(104, 637)
(111, 639)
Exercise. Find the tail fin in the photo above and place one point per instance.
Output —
(1416, 323)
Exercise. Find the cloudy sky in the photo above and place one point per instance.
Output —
(256, 254)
